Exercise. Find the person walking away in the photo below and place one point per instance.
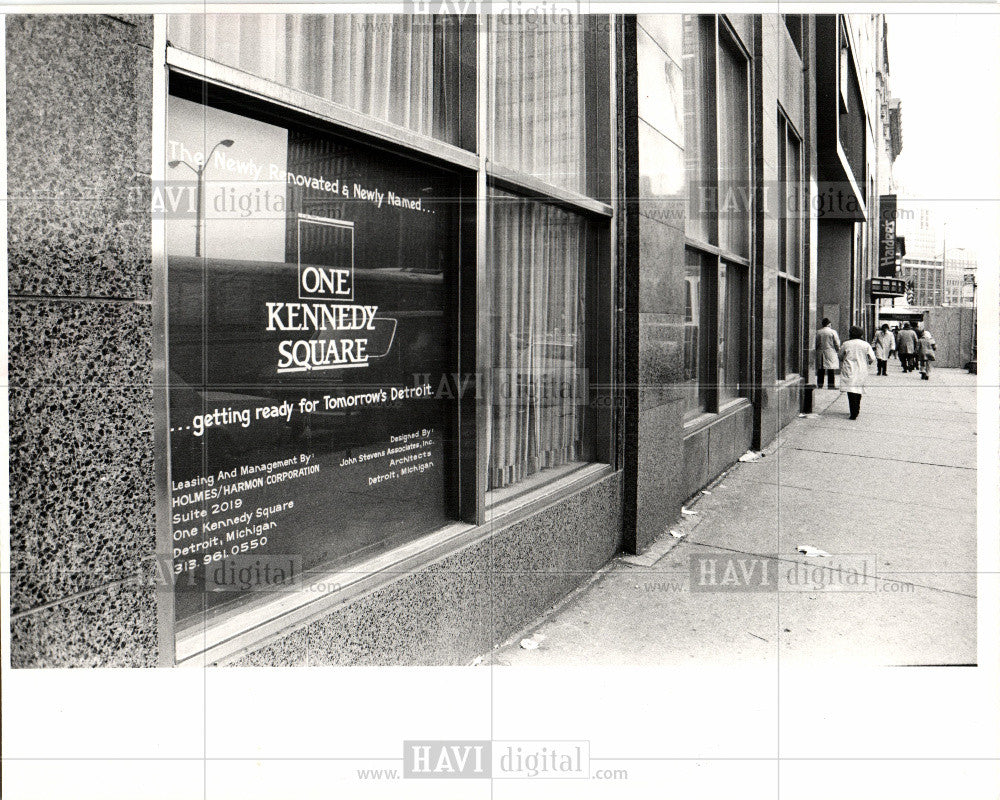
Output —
(884, 346)
(925, 351)
(856, 356)
(907, 347)
(827, 347)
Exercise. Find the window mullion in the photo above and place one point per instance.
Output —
(484, 297)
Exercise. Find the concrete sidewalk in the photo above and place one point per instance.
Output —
(894, 490)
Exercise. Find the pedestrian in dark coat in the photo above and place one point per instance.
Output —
(925, 352)
(907, 347)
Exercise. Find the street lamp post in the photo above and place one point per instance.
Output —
(199, 172)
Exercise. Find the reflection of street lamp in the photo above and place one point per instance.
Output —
(200, 173)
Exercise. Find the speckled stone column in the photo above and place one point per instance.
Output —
(79, 103)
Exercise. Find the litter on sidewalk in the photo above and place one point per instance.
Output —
(809, 416)
(677, 534)
(687, 512)
(533, 641)
(809, 550)
(751, 456)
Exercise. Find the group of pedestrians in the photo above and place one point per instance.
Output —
(914, 347)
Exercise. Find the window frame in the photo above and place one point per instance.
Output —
(713, 403)
(253, 622)
(789, 280)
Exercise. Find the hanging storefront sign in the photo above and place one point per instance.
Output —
(887, 258)
(309, 284)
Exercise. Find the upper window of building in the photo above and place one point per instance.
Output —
(403, 69)
(548, 99)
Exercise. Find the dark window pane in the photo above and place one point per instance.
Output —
(793, 195)
(699, 127)
(793, 334)
(298, 313)
(780, 350)
(734, 150)
(733, 338)
(699, 306)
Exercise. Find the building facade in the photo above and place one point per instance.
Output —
(960, 271)
(925, 280)
(364, 339)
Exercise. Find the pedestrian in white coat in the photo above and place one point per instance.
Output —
(885, 346)
(827, 345)
(856, 356)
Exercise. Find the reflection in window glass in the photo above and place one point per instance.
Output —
(542, 111)
(699, 287)
(536, 258)
(792, 335)
(734, 153)
(699, 126)
(306, 316)
(734, 344)
(399, 68)
(793, 194)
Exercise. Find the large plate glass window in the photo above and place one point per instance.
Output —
(547, 266)
(312, 307)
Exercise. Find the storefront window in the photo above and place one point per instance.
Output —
(311, 319)
(547, 258)
(536, 264)
(405, 69)
(329, 330)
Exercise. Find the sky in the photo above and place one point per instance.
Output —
(945, 69)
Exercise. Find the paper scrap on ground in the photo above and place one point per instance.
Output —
(687, 512)
(809, 416)
(529, 644)
(808, 550)
(677, 534)
(750, 456)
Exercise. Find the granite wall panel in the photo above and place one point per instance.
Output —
(695, 461)
(79, 120)
(112, 627)
(661, 468)
(81, 511)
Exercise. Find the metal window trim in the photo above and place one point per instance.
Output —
(536, 189)
(165, 623)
